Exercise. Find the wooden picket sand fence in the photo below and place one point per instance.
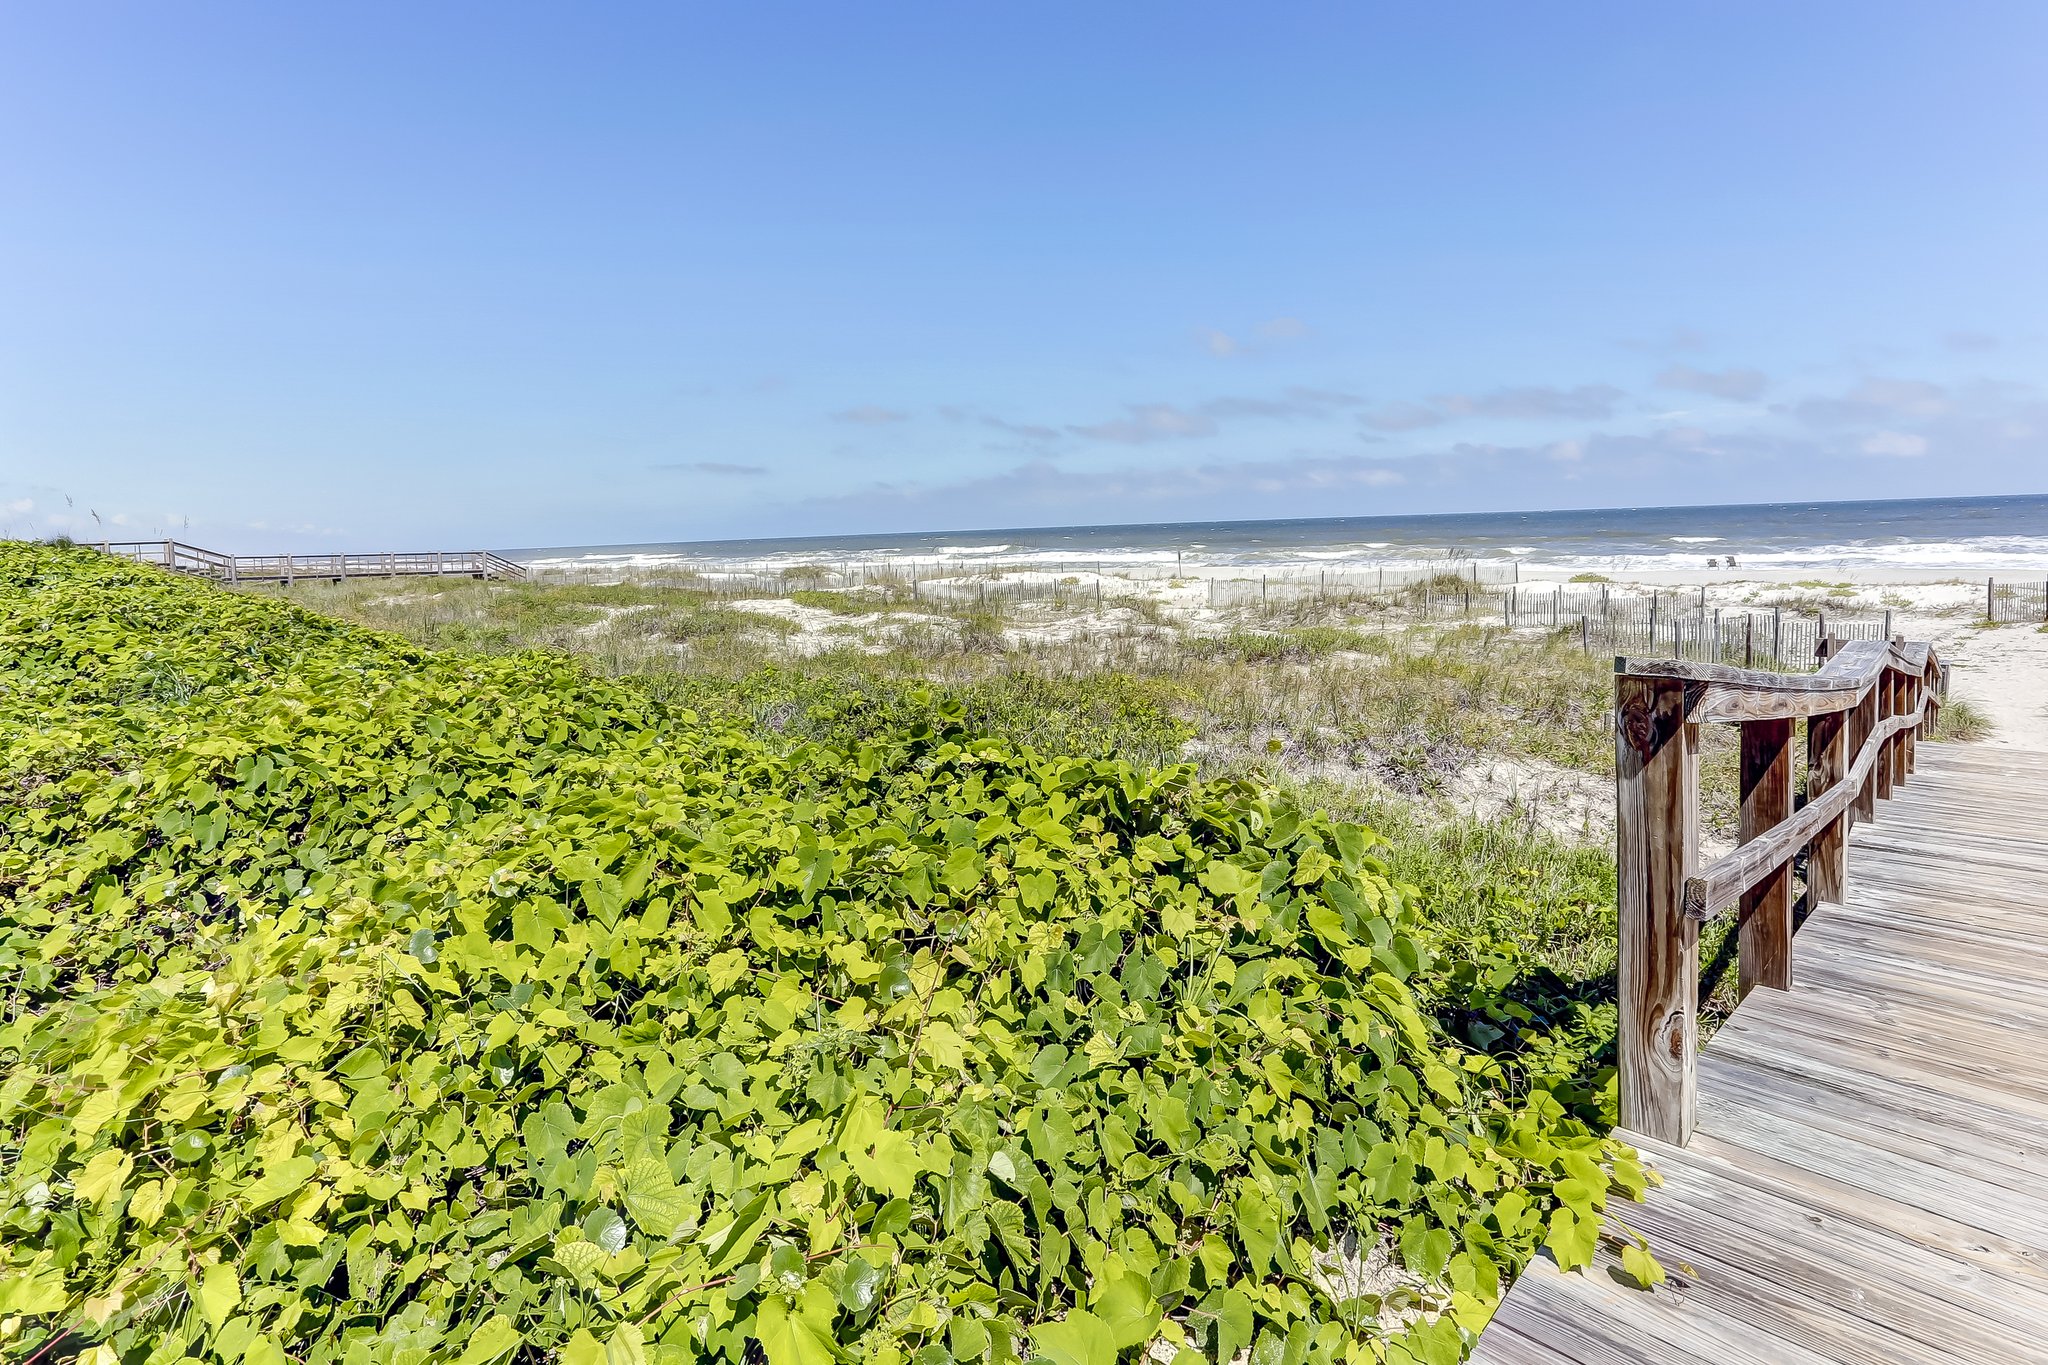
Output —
(225, 568)
(1855, 1168)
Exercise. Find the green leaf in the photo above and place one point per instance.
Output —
(729, 1241)
(1080, 1338)
(606, 1230)
(659, 1209)
(891, 1166)
(102, 1177)
(281, 1179)
(1640, 1266)
(1125, 1304)
(220, 1292)
(1572, 1239)
(1228, 879)
(964, 870)
(1258, 1227)
(800, 1337)
(1232, 1313)
(859, 1282)
(497, 1337)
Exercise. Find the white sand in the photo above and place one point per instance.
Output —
(2003, 670)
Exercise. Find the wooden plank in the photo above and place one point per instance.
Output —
(1897, 1284)
(1743, 1137)
(1987, 854)
(1890, 1112)
(1839, 1289)
(1765, 935)
(1964, 1081)
(2007, 1259)
(1593, 1318)
(1881, 1108)
(1657, 824)
(1834, 969)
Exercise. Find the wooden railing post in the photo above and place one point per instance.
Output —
(1827, 763)
(1765, 957)
(1902, 694)
(1656, 794)
(1881, 776)
(1909, 702)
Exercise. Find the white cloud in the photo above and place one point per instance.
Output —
(1271, 332)
(1736, 384)
(1903, 444)
(1533, 402)
(1876, 400)
(715, 468)
(1403, 417)
(869, 415)
(1149, 422)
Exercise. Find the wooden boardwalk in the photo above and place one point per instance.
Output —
(179, 557)
(1868, 1177)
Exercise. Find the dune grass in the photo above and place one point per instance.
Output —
(1358, 705)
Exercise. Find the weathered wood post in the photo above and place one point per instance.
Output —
(1765, 957)
(1885, 692)
(1827, 857)
(1656, 794)
(1911, 705)
(1895, 747)
(1879, 782)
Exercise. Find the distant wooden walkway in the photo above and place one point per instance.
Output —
(1867, 1177)
(225, 568)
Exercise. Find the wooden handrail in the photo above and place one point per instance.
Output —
(1863, 711)
(227, 568)
(1714, 890)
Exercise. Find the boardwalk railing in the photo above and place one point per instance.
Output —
(182, 558)
(1862, 712)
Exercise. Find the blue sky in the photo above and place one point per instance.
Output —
(374, 276)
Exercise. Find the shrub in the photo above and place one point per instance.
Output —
(838, 603)
(370, 1004)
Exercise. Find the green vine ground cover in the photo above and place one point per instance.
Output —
(370, 1004)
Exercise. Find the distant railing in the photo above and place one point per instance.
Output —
(2015, 601)
(1863, 711)
(183, 558)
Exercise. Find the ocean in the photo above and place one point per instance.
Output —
(1963, 535)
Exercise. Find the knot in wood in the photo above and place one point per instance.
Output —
(1671, 1036)
(1632, 718)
